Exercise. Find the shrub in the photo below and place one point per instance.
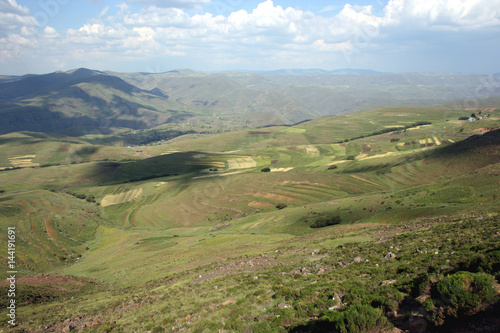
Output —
(351, 158)
(332, 167)
(466, 293)
(266, 169)
(90, 198)
(281, 205)
(359, 318)
(325, 221)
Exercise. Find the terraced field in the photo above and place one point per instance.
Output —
(201, 211)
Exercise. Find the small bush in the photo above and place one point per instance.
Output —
(332, 167)
(466, 293)
(325, 221)
(266, 169)
(351, 158)
(281, 205)
(359, 318)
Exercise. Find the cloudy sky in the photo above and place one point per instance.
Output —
(41, 36)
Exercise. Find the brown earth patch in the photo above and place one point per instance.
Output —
(259, 204)
(277, 197)
(46, 280)
(64, 147)
(483, 130)
(49, 229)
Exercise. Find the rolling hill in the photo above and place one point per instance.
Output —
(81, 98)
(105, 101)
(300, 228)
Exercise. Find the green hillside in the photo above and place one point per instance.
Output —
(82, 98)
(275, 229)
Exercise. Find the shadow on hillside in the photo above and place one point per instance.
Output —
(86, 152)
(176, 164)
(35, 119)
(472, 143)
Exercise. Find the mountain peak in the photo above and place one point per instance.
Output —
(84, 72)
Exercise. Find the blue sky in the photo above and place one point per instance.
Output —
(40, 36)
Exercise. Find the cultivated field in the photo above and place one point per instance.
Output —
(168, 234)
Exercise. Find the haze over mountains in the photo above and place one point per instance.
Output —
(85, 98)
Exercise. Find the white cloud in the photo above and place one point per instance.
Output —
(174, 3)
(158, 17)
(14, 16)
(270, 35)
(50, 31)
(104, 12)
(443, 14)
(13, 7)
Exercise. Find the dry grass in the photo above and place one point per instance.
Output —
(115, 199)
(241, 163)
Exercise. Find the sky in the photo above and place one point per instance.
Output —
(42, 36)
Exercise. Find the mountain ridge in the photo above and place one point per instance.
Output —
(104, 98)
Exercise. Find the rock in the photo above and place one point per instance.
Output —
(422, 298)
(68, 328)
(336, 297)
(357, 259)
(387, 282)
(390, 255)
(284, 306)
(229, 301)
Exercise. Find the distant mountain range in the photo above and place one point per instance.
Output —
(98, 101)
(312, 71)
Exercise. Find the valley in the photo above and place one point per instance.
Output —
(155, 200)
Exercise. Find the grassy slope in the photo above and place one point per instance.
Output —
(181, 228)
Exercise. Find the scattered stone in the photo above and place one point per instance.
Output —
(337, 298)
(357, 259)
(284, 306)
(229, 301)
(387, 282)
(390, 255)
(421, 299)
(68, 328)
